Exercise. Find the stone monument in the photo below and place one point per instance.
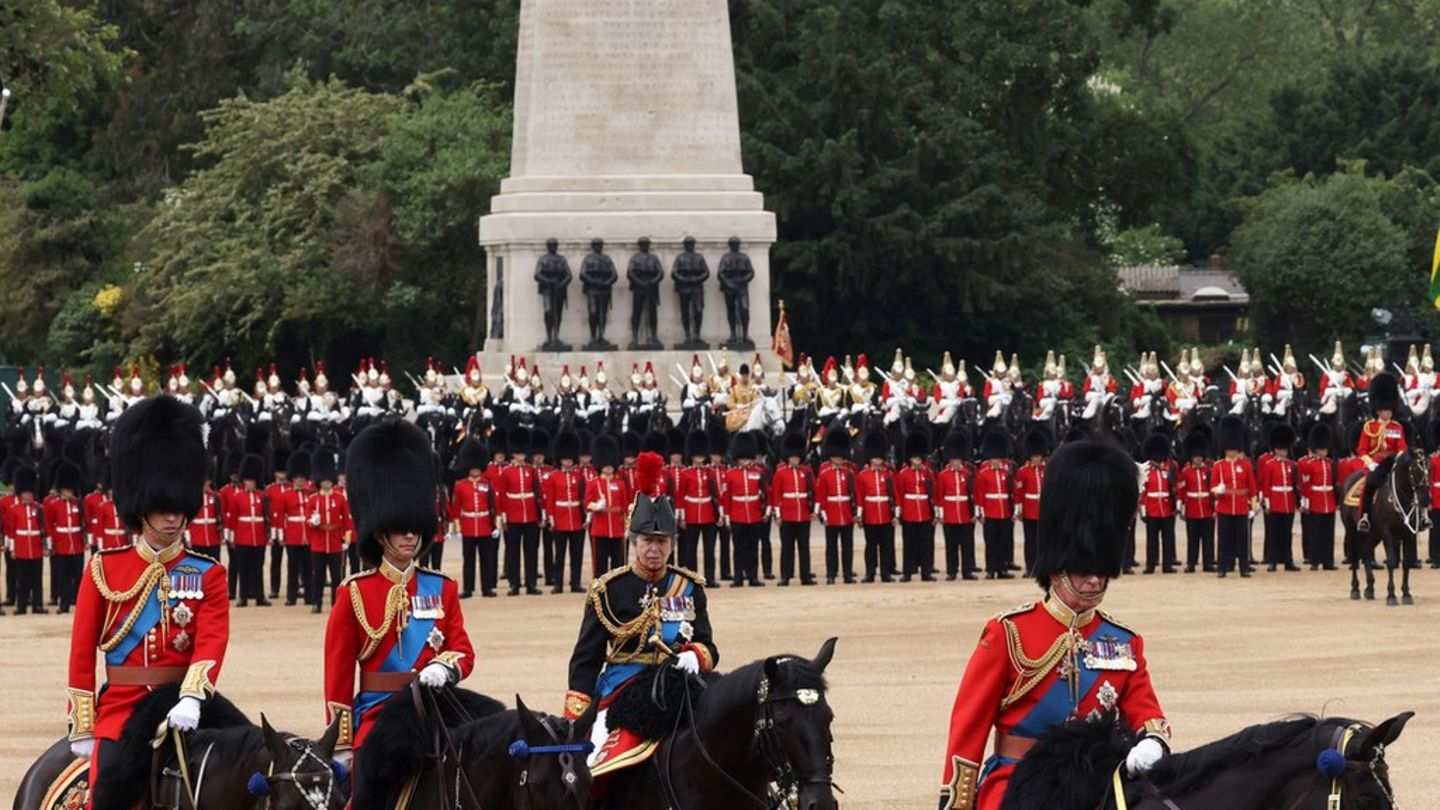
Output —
(626, 126)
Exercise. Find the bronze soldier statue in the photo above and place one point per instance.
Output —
(690, 272)
(645, 275)
(552, 273)
(735, 274)
(597, 276)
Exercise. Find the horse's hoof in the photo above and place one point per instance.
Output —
(1370, 595)
(1392, 601)
(1355, 594)
(1407, 600)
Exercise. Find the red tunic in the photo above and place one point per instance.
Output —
(91, 506)
(875, 492)
(1157, 497)
(328, 523)
(791, 489)
(995, 696)
(204, 529)
(1277, 486)
(293, 511)
(1028, 480)
(516, 498)
(992, 490)
(952, 495)
(835, 493)
(111, 531)
(608, 521)
(1317, 484)
(697, 496)
(244, 517)
(64, 526)
(472, 507)
(426, 625)
(192, 640)
(275, 508)
(744, 494)
(1380, 439)
(1347, 467)
(1233, 482)
(24, 530)
(914, 490)
(562, 493)
(1192, 492)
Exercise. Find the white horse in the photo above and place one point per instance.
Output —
(766, 414)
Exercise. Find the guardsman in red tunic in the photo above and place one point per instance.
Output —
(1157, 503)
(875, 492)
(293, 511)
(744, 500)
(110, 530)
(24, 529)
(1196, 504)
(518, 500)
(394, 622)
(955, 508)
(914, 494)
(1381, 440)
(835, 505)
(1319, 499)
(992, 501)
(792, 498)
(1232, 481)
(1028, 481)
(244, 522)
(606, 500)
(275, 514)
(718, 440)
(91, 508)
(202, 533)
(1280, 497)
(697, 505)
(472, 514)
(157, 612)
(564, 496)
(329, 528)
(65, 526)
(1043, 664)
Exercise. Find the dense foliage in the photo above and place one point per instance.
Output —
(262, 178)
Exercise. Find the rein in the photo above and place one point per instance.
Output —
(522, 750)
(443, 749)
(1412, 514)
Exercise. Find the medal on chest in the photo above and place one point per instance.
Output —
(426, 607)
(1108, 653)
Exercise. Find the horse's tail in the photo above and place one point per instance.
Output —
(401, 740)
(1070, 767)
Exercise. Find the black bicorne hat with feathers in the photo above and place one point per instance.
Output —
(1086, 503)
(157, 460)
(390, 480)
(652, 513)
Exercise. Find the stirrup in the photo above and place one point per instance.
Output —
(1363, 524)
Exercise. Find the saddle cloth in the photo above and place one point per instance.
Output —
(71, 788)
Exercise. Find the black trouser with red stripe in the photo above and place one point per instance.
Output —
(573, 542)
(999, 545)
(277, 555)
(522, 537)
(297, 572)
(1200, 542)
(66, 570)
(840, 551)
(917, 548)
(324, 568)
(1031, 533)
(1279, 550)
(1160, 543)
(959, 549)
(697, 541)
(747, 547)
(606, 554)
(795, 537)
(1317, 537)
(879, 549)
(1234, 536)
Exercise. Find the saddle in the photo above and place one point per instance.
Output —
(70, 789)
(1355, 493)
(642, 714)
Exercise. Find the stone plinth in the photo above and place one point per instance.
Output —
(625, 126)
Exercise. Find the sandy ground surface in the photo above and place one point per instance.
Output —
(1224, 654)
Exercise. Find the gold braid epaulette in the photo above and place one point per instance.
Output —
(1033, 670)
(393, 606)
(142, 588)
(631, 629)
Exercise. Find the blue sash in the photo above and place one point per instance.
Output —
(150, 612)
(1054, 708)
(407, 648)
(615, 675)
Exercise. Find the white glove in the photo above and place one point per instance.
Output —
(1219, 489)
(83, 748)
(435, 675)
(343, 756)
(600, 505)
(688, 661)
(1144, 756)
(186, 714)
(453, 537)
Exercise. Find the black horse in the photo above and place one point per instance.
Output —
(456, 750)
(765, 722)
(1294, 764)
(229, 762)
(1398, 505)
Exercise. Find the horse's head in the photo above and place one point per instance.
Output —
(301, 775)
(793, 728)
(1363, 776)
(550, 771)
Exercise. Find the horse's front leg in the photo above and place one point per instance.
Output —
(1354, 566)
(1369, 561)
(1405, 598)
(1392, 549)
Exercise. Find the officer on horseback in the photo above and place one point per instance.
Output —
(1381, 440)
(639, 620)
(1044, 663)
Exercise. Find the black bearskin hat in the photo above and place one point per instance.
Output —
(675, 440)
(792, 444)
(629, 444)
(279, 460)
(957, 445)
(323, 466)
(1385, 392)
(1086, 504)
(1231, 433)
(1197, 444)
(26, 480)
(1157, 447)
(875, 445)
(157, 459)
(499, 441)
(471, 456)
(696, 444)
(540, 441)
(836, 443)
(1282, 436)
(252, 468)
(917, 444)
(1322, 436)
(298, 465)
(567, 445)
(1037, 442)
(391, 485)
(655, 442)
(68, 476)
(744, 446)
(605, 451)
(517, 441)
(719, 437)
(996, 444)
(652, 513)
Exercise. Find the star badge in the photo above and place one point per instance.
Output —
(436, 639)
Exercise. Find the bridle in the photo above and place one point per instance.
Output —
(1418, 479)
(316, 787)
(521, 750)
(772, 750)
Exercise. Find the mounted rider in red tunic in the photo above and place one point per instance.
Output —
(1059, 659)
(1381, 440)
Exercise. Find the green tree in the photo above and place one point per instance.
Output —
(1325, 248)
